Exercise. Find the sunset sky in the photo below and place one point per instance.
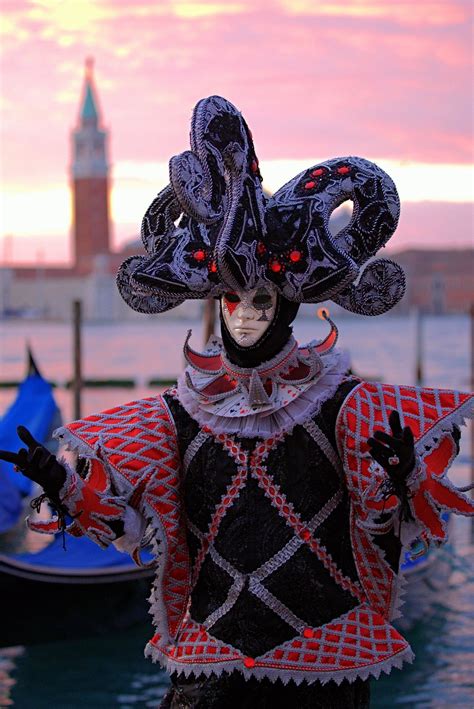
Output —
(390, 81)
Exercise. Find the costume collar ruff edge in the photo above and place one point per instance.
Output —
(263, 400)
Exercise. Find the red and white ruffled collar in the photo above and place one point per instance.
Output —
(263, 400)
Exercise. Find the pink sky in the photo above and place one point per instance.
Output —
(315, 79)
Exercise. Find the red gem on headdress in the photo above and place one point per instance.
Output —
(249, 662)
(213, 267)
(318, 172)
(254, 166)
(308, 633)
(309, 185)
(199, 255)
(261, 248)
(343, 170)
(295, 256)
(276, 266)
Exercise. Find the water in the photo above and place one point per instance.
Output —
(111, 672)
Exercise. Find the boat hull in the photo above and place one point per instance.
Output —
(39, 610)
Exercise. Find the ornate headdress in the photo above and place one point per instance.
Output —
(213, 229)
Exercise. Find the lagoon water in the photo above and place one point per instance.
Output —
(111, 672)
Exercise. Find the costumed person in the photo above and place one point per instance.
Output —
(277, 489)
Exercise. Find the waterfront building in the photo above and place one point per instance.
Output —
(90, 182)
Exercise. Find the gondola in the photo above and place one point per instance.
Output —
(80, 590)
(51, 593)
(35, 408)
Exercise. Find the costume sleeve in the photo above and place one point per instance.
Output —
(121, 452)
(434, 417)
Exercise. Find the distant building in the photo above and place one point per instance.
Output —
(48, 291)
(90, 183)
(438, 281)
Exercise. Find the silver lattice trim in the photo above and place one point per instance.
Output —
(255, 578)
(320, 438)
(193, 449)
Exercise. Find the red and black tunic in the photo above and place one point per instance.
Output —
(276, 558)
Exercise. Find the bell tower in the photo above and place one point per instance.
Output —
(90, 181)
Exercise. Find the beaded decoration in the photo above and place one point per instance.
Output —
(213, 229)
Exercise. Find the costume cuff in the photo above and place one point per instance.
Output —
(382, 505)
(70, 493)
(92, 510)
(134, 529)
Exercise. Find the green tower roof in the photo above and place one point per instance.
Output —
(89, 110)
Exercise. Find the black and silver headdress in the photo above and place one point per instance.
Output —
(213, 229)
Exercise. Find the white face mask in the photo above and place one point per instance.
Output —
(248, 314)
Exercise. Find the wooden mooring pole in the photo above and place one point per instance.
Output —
(419, 347)
(77, 358)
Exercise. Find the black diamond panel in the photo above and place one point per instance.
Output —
(207, 479)
(186, 426)
(210, 591)
(251, 626)
(252, 530)
(305, 586)
(194, 544)
(303, 473)
(335, 536)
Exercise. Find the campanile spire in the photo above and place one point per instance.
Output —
(90, 179)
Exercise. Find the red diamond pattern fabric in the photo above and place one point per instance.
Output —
(195, 645)
(356, 639)
(431, 414)
(135, 446)
(358, 643)
(138, 442)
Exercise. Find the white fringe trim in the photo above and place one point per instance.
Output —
(157, 608)
(73, 443)
(305, 406)
(134, 529)
(445, 425)
(285, 675)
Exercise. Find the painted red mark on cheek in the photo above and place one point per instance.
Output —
(230, 306)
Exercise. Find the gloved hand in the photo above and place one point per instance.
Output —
(396, 454)
(37, 463)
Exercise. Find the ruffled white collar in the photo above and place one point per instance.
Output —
(261, 401)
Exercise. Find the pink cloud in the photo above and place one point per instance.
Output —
(370, 78)
(303, 78)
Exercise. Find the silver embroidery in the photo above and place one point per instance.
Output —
(193, 449)
(232, 596)
(275, 605)
(254, 579)
(291, 547)
(320, 438)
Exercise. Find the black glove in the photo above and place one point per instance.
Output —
(396, 454)
(37, 463)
